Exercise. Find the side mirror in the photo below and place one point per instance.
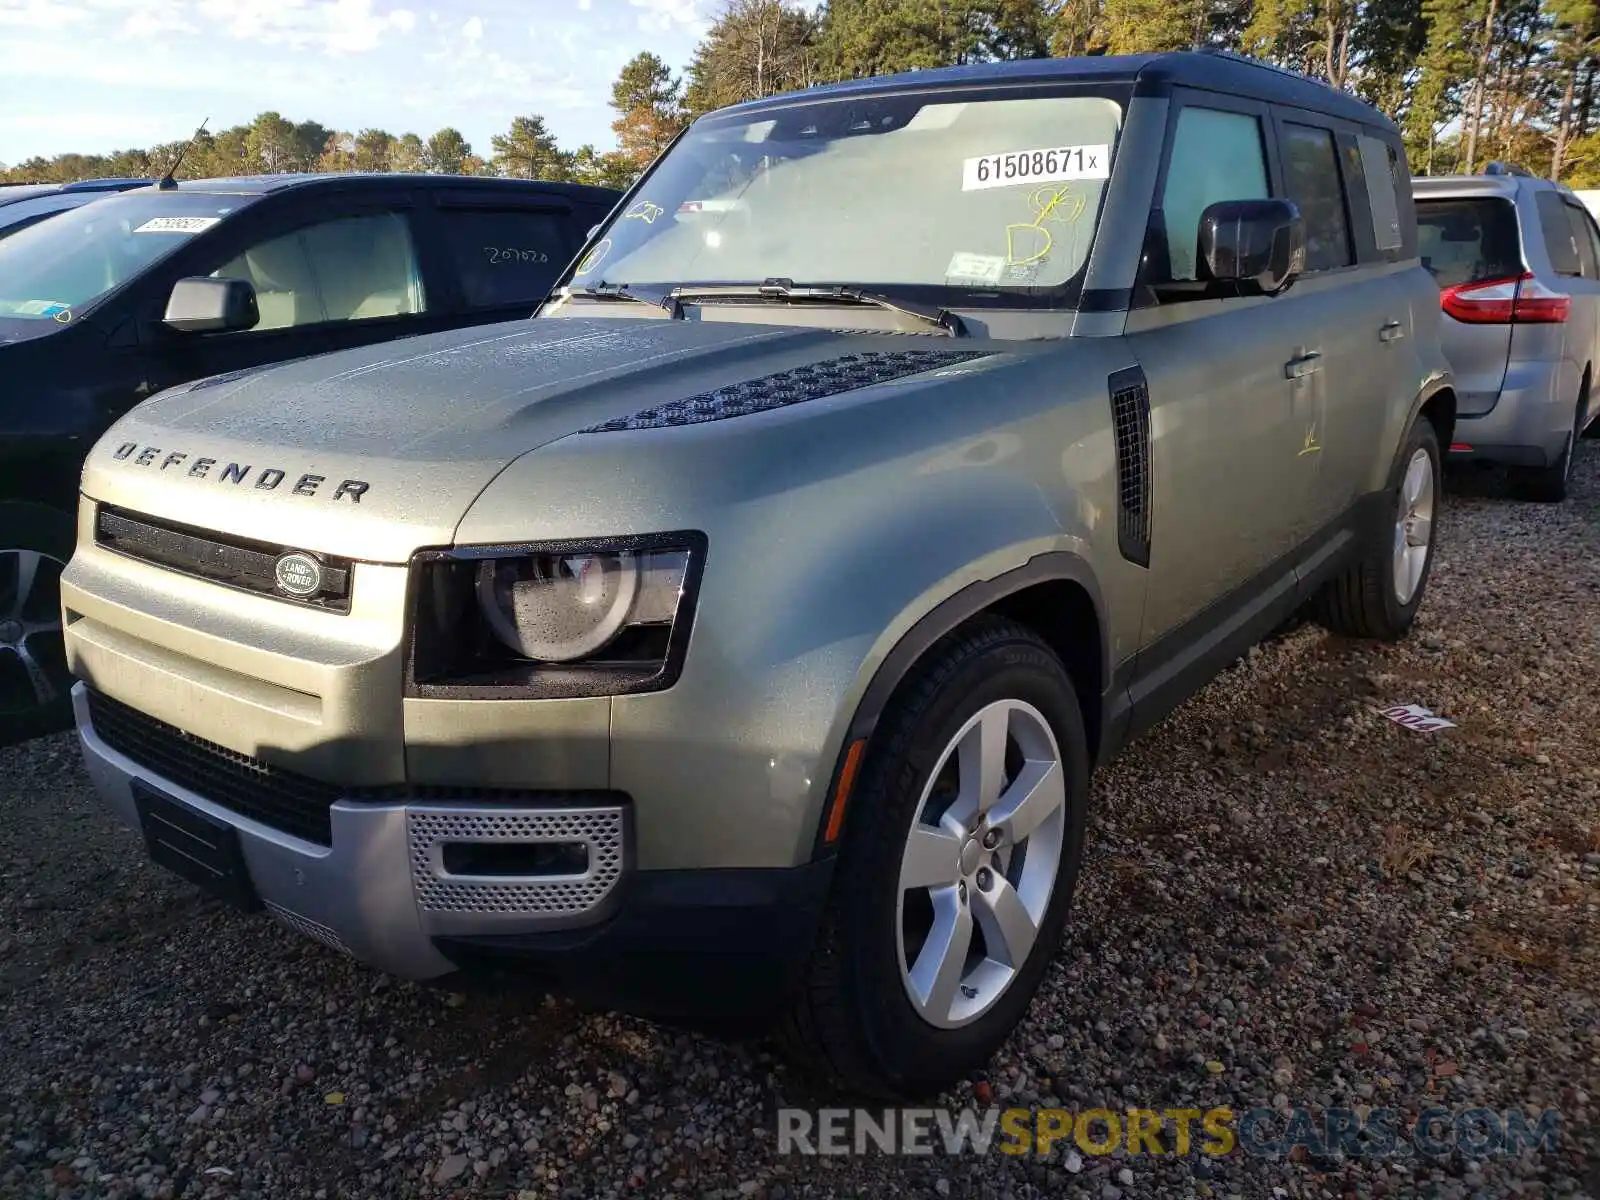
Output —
(1253, 247)
(206, 304)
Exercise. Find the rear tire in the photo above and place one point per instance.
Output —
(875, 1015)
(1378, 596)
(1548, 485)
(35, 543)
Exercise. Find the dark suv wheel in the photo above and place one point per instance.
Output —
(35, 543)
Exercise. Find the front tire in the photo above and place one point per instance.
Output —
(35, 543)
(957, 869)
(1378, 596)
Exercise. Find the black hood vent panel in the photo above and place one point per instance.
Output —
(811, 382)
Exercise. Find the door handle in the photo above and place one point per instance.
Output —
(1303, 365)
(1391, 331)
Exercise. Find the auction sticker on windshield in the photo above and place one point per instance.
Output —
(178, 224)
(984, 268)
(1036, 166)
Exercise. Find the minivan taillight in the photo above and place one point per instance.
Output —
(1515, 300)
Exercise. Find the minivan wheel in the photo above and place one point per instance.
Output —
(1378, 596)
(35, 543)
(959, 859)
(1548, 485)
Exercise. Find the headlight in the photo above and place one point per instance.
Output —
(563, 607)
(548, 620)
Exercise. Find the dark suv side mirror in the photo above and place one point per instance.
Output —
(208, 305)
(1253, 247)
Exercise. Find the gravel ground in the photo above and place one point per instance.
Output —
(1286, 900)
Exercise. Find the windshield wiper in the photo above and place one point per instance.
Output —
(785, 291)
(620, 291)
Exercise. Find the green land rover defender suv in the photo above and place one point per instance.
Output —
(736, 638)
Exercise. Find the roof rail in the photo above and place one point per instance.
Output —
(1251, 60)
(1505, 168)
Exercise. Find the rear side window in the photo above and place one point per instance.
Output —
(1311, 177)
(1468, 241)
(1378, 168)
(1559, 243)
(1215, 156)
(507, 256)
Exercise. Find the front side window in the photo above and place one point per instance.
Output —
(508, 257)
(1311, 178)
(995, 198)
(55, 270)
(350, 269)
(1216, 156)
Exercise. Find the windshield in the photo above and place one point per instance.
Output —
(14, 218)
(996, 197)
(51, 271)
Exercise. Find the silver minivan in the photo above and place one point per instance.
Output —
(1517, 260)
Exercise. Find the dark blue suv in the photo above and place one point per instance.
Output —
(138, 291)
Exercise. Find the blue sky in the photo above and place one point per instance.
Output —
(98, 75)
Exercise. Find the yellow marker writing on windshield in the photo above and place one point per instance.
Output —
(1059, 205)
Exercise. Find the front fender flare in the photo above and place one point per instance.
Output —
(948, 614)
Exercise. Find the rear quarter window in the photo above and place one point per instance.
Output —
(1468, 241)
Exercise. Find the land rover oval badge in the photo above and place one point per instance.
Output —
(298, 574)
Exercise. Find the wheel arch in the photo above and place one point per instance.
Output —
(1055, 594)
(50, 479)
(1438, 405)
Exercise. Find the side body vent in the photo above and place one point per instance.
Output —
(811, 382)
(1130, 416)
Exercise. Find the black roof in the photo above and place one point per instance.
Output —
(261, 185)
(1149, 74)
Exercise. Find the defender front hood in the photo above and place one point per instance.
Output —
(374, 452)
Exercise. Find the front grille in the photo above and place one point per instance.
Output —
(281, 799)
(1130, 416)
(301, 806)
(249, 566)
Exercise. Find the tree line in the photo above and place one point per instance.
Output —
(1468, 81)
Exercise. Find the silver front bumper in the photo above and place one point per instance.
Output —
(381, 891)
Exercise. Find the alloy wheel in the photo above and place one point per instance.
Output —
(33, 670)
(1413, 527)
(980, 863)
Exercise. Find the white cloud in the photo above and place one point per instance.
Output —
(44, 15)
(472, 31)
(585, 5)
(343, 26)
(660, 16)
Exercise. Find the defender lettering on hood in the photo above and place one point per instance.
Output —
(267, 479)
